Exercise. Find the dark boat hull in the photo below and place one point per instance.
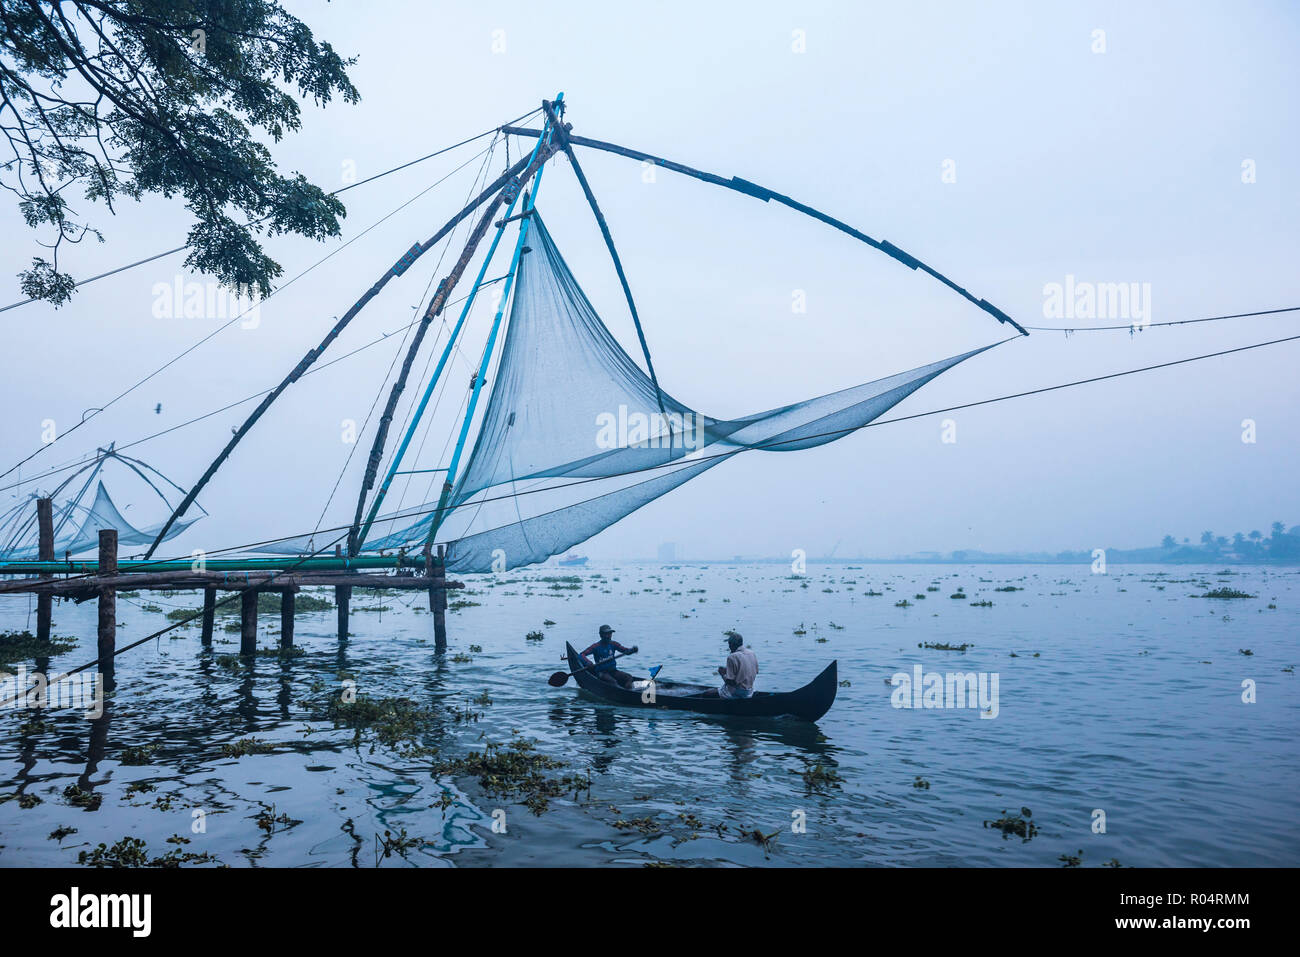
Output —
(809, 702)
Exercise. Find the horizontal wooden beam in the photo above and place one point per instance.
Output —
(180, 581)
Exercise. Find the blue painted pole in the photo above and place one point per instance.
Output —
(450, 482)
(442, 363)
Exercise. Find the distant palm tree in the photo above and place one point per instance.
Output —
(1168, 542)
(1207, 539)
(1255, 536)
(1278, 529)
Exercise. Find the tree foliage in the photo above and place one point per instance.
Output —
(113, 98)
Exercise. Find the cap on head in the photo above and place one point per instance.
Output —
(606, 631)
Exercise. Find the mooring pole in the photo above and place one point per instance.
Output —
(248, 622)
(286, 617)
(342, 600)
(438, 602)
(107, 600)
(45, 551)
(209, 615)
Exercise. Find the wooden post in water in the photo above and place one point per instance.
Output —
(342, 600)
(107, 644)
(286, 617)
(248, 622)
(209, 614)
(45, 552)
(438, 594)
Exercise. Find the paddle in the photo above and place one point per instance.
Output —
(558, 678)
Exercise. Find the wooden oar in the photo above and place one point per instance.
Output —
(558, 679)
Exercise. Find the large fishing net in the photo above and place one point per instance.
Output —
(574, 435)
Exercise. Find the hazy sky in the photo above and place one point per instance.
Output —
(1117, 166)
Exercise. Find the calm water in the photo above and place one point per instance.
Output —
(1118, 692)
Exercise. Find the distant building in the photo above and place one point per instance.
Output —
(668, 552)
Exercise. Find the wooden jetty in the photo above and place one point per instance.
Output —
(81, 581)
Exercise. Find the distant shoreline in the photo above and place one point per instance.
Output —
(1111, 559)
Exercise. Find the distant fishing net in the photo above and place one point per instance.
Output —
(574, 436)
(76, 528)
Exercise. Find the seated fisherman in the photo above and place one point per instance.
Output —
(739, 672)
(603, 651)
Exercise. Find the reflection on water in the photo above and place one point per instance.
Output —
(1120, 692)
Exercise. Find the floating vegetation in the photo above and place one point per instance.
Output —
(548, 623)
(903, 604)
(59, 833)
(945, 646)
(400, 844)
(268, 820)
(534, 636)
(873, 594)
(133, 852)
(982, 604)
(392, 721)
(1071, 860)
(959, 594)
(89, 800)
(819, 777)
(1245, 651)
(460, 603)
(376, 608)
(249, 745)
(921, 783)
(461, 658)
(137, 756)
(644, 825)
(20, 645)
(835, 626)
(516, 770)
(155, 609)
(846, 683)
(1225, 593)
(1018, 824)
(1009, 588)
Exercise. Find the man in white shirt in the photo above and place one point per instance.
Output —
(741, 669)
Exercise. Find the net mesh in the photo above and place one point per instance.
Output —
(573, 439)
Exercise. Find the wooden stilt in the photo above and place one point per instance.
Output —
(286, 617)
(209, 614)
(107, 600)
(342, 600)
(45, 552)
(248, 622)
(439, 596)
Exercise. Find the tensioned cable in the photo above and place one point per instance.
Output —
(342, 189)
(226, 325)
(1135, 327)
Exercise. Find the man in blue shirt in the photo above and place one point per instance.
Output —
(603, 651)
